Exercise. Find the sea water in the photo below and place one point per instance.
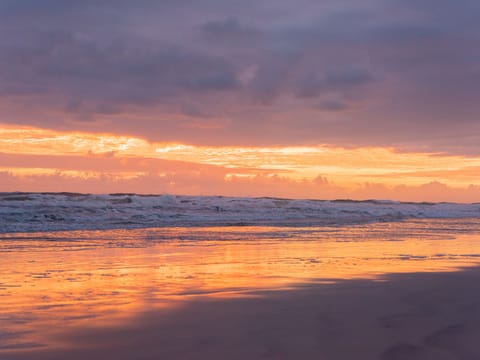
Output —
(70, 261)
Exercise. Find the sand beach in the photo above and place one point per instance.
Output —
(405, 290)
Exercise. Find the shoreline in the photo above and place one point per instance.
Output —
(384, 291)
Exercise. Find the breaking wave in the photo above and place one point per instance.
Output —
(27, 212)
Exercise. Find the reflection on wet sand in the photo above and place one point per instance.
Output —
(55, 284)
(427, 316)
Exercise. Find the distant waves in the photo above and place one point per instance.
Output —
(27, 212)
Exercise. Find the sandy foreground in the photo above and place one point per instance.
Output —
(364, 293)
(407, 316)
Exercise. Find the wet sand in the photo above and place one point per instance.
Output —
(407, 316)
(380, 291)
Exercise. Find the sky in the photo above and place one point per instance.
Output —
(304, 99)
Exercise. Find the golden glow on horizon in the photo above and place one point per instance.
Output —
(72, 173)
(26, 140)
(348, 168)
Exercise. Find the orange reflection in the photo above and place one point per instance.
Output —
(54, 281)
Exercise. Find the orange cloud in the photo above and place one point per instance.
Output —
(34, 159)
(204, 182)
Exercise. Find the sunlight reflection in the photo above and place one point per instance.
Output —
(53, 281)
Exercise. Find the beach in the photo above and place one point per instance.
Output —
(400, 290)
(239, 180)
(421, 316)
(227, 180)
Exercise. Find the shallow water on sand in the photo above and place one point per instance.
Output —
(52, 283)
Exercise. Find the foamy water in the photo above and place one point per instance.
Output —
(31, 212)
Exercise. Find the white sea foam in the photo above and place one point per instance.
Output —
(25, 212)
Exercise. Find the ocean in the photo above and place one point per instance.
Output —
(73, 264)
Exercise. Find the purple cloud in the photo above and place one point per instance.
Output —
(397, 73)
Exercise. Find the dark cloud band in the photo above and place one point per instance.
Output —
(383, 72)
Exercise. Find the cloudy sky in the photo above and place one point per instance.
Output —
(304, 98)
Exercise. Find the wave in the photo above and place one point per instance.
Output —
(34, 212)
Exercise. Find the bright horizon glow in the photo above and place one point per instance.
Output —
(35, 155)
